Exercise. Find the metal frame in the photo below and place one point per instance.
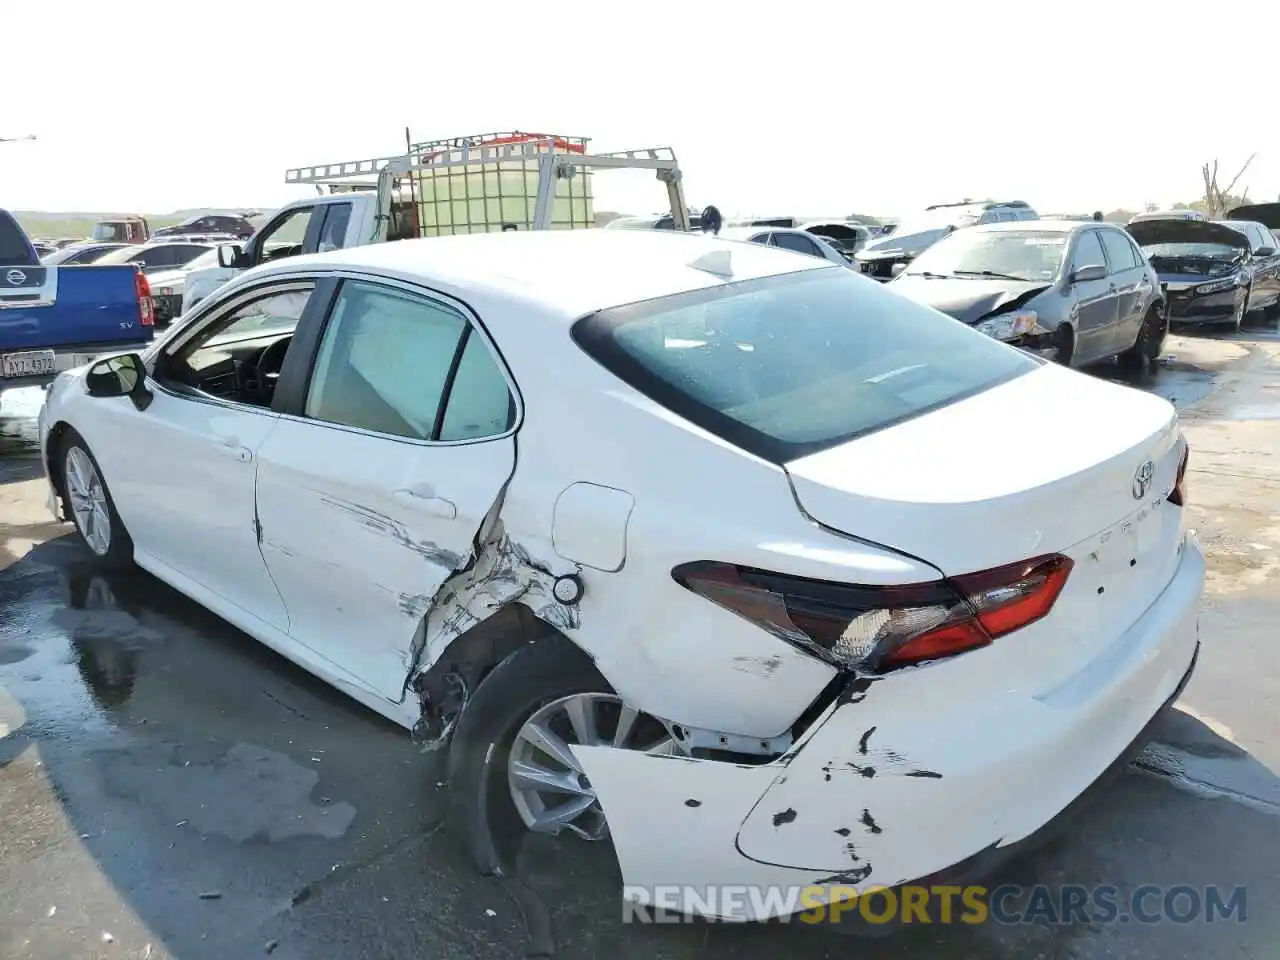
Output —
(557, 158)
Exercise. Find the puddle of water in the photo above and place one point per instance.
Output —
(244, 793)
(1254, 411)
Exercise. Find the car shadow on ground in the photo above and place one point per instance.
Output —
(238, 807)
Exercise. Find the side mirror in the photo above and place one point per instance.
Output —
(1265, 252)
(230, 255)
(123, 376)
(1087, 274)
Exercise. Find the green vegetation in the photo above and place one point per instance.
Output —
(43, 224)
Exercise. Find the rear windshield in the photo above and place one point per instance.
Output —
(789, 365)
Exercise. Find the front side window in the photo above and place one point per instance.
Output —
(1088, 252)
(1030, 255)
(788, 365)
(285, 238)
(219, 358)
(386, 363)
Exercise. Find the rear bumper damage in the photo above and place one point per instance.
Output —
(879, 792)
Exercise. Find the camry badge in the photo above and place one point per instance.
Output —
(1142, 479)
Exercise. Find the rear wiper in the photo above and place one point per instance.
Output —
(929, 275)
(989, 273)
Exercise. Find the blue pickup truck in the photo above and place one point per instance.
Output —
(57, 318)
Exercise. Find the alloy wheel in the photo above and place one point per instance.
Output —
(548, 786)
(88, 501)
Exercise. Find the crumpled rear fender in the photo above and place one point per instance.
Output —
(675, 820)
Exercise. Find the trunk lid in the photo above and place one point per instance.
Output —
(1029, 467)
(1051, 462)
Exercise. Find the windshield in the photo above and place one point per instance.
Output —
(1192, 251)
(936, 220)
(1032, 255)
(788, 365)
(111, 230)
(123, 255)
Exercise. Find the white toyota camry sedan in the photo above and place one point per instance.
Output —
(729, 555)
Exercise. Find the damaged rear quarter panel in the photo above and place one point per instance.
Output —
(673, 820)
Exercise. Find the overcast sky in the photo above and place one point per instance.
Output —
(807, 107)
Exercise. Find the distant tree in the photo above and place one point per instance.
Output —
(1218, 200)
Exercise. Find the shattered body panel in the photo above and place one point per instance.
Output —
(899, 780)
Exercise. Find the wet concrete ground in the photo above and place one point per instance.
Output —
(171, 789)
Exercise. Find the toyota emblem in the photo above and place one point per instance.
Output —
(1142, 479)
(16, 278)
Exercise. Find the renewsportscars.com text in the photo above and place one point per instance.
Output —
(1067, 904)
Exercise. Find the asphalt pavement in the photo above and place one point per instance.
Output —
(171, 789)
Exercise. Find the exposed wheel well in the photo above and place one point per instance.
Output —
(445, 687)
(53, 463)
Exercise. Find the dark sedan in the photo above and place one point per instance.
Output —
(1079, 292)
(1205, 268)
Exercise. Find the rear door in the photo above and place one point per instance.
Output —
(1132, 288)
(1095, 306)
(373, 487)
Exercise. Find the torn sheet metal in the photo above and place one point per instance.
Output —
(502, 573)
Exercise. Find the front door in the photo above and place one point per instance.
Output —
(182, 471)
(372, 491)
(1096, 308)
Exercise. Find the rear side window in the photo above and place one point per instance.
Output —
(389, 358)
(793, 241)
(789, 365)
(333, 234)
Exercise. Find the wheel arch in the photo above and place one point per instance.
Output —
(53, 462)
(445, 687)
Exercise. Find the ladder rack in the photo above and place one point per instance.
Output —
(662, 159)
(555, 159)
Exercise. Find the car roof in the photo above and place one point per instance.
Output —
(1041, 226)
(746, 233)
(565, 272)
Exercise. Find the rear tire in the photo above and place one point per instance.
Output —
(88, 502)
(481, 809)
(1148, 344)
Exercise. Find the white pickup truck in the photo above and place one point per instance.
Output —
(484, 183)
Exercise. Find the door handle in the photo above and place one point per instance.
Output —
(424, 496)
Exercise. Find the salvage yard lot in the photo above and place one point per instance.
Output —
(170, 788)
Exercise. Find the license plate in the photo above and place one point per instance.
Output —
(28, 364)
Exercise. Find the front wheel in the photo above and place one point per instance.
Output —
(89, 502)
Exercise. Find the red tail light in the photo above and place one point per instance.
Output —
(146, 308)
(1179, 495)
(883, 628)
